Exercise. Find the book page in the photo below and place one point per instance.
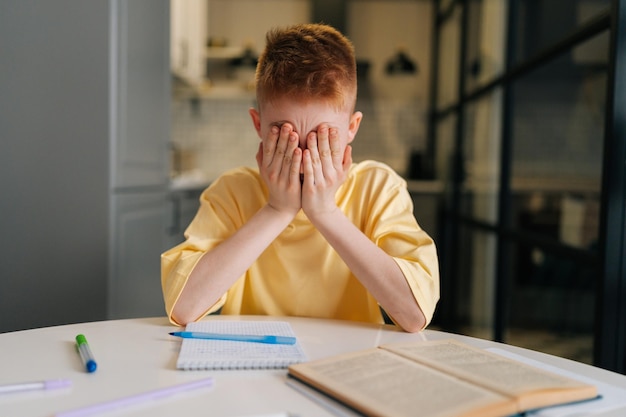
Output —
(378, 383)
(610, 396)
(496, 372)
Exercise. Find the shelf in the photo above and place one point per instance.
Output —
(224, 52)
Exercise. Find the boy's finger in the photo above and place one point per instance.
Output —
(312, 145)
(323, 146)
(292, 145)
(336, 155)
(307, 162)
(282, 144)
(294, 173)
(269, 146)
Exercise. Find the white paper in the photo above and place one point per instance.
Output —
(612, 397)
(225, 354)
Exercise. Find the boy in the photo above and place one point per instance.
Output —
(309, 233)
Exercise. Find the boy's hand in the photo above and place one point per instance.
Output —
(279, 159)
(325, 169)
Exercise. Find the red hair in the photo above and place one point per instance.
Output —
(307, 62)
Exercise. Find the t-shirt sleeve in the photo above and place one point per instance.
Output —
(393, 227)
(220, 214)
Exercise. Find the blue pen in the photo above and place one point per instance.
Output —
(274, 340)
(85, 353)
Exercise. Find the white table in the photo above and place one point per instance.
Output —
(138, 355)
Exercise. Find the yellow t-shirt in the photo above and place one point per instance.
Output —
(300, 274)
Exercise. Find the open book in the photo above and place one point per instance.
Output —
(437, 379)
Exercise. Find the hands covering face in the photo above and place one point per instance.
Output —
(323, 163)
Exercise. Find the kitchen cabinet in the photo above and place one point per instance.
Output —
(185, 203)
(85, 124)
(189, 33)
(138, 239)
(140, 83)
(140, 167)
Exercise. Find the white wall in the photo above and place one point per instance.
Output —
(244, 21)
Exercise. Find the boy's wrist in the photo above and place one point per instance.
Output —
(325, 217)
(284, 216)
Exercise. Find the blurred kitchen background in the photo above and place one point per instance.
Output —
(503, 116)
(214, 85)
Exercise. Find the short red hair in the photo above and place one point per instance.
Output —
(307, 62)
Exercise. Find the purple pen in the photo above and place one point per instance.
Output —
(136, 399)
(36, 385)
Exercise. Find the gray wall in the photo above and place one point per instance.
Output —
(54, 109)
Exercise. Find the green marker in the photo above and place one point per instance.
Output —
(85, 353)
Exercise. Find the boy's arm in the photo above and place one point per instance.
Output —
(217, 270)
(325, 168)
(374, 268)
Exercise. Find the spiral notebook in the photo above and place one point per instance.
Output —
(199, 354)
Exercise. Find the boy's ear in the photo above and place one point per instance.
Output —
(256, 120)
(355, 122)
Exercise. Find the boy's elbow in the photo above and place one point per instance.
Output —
(181, 318)
(412, 323)
(414, 326)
